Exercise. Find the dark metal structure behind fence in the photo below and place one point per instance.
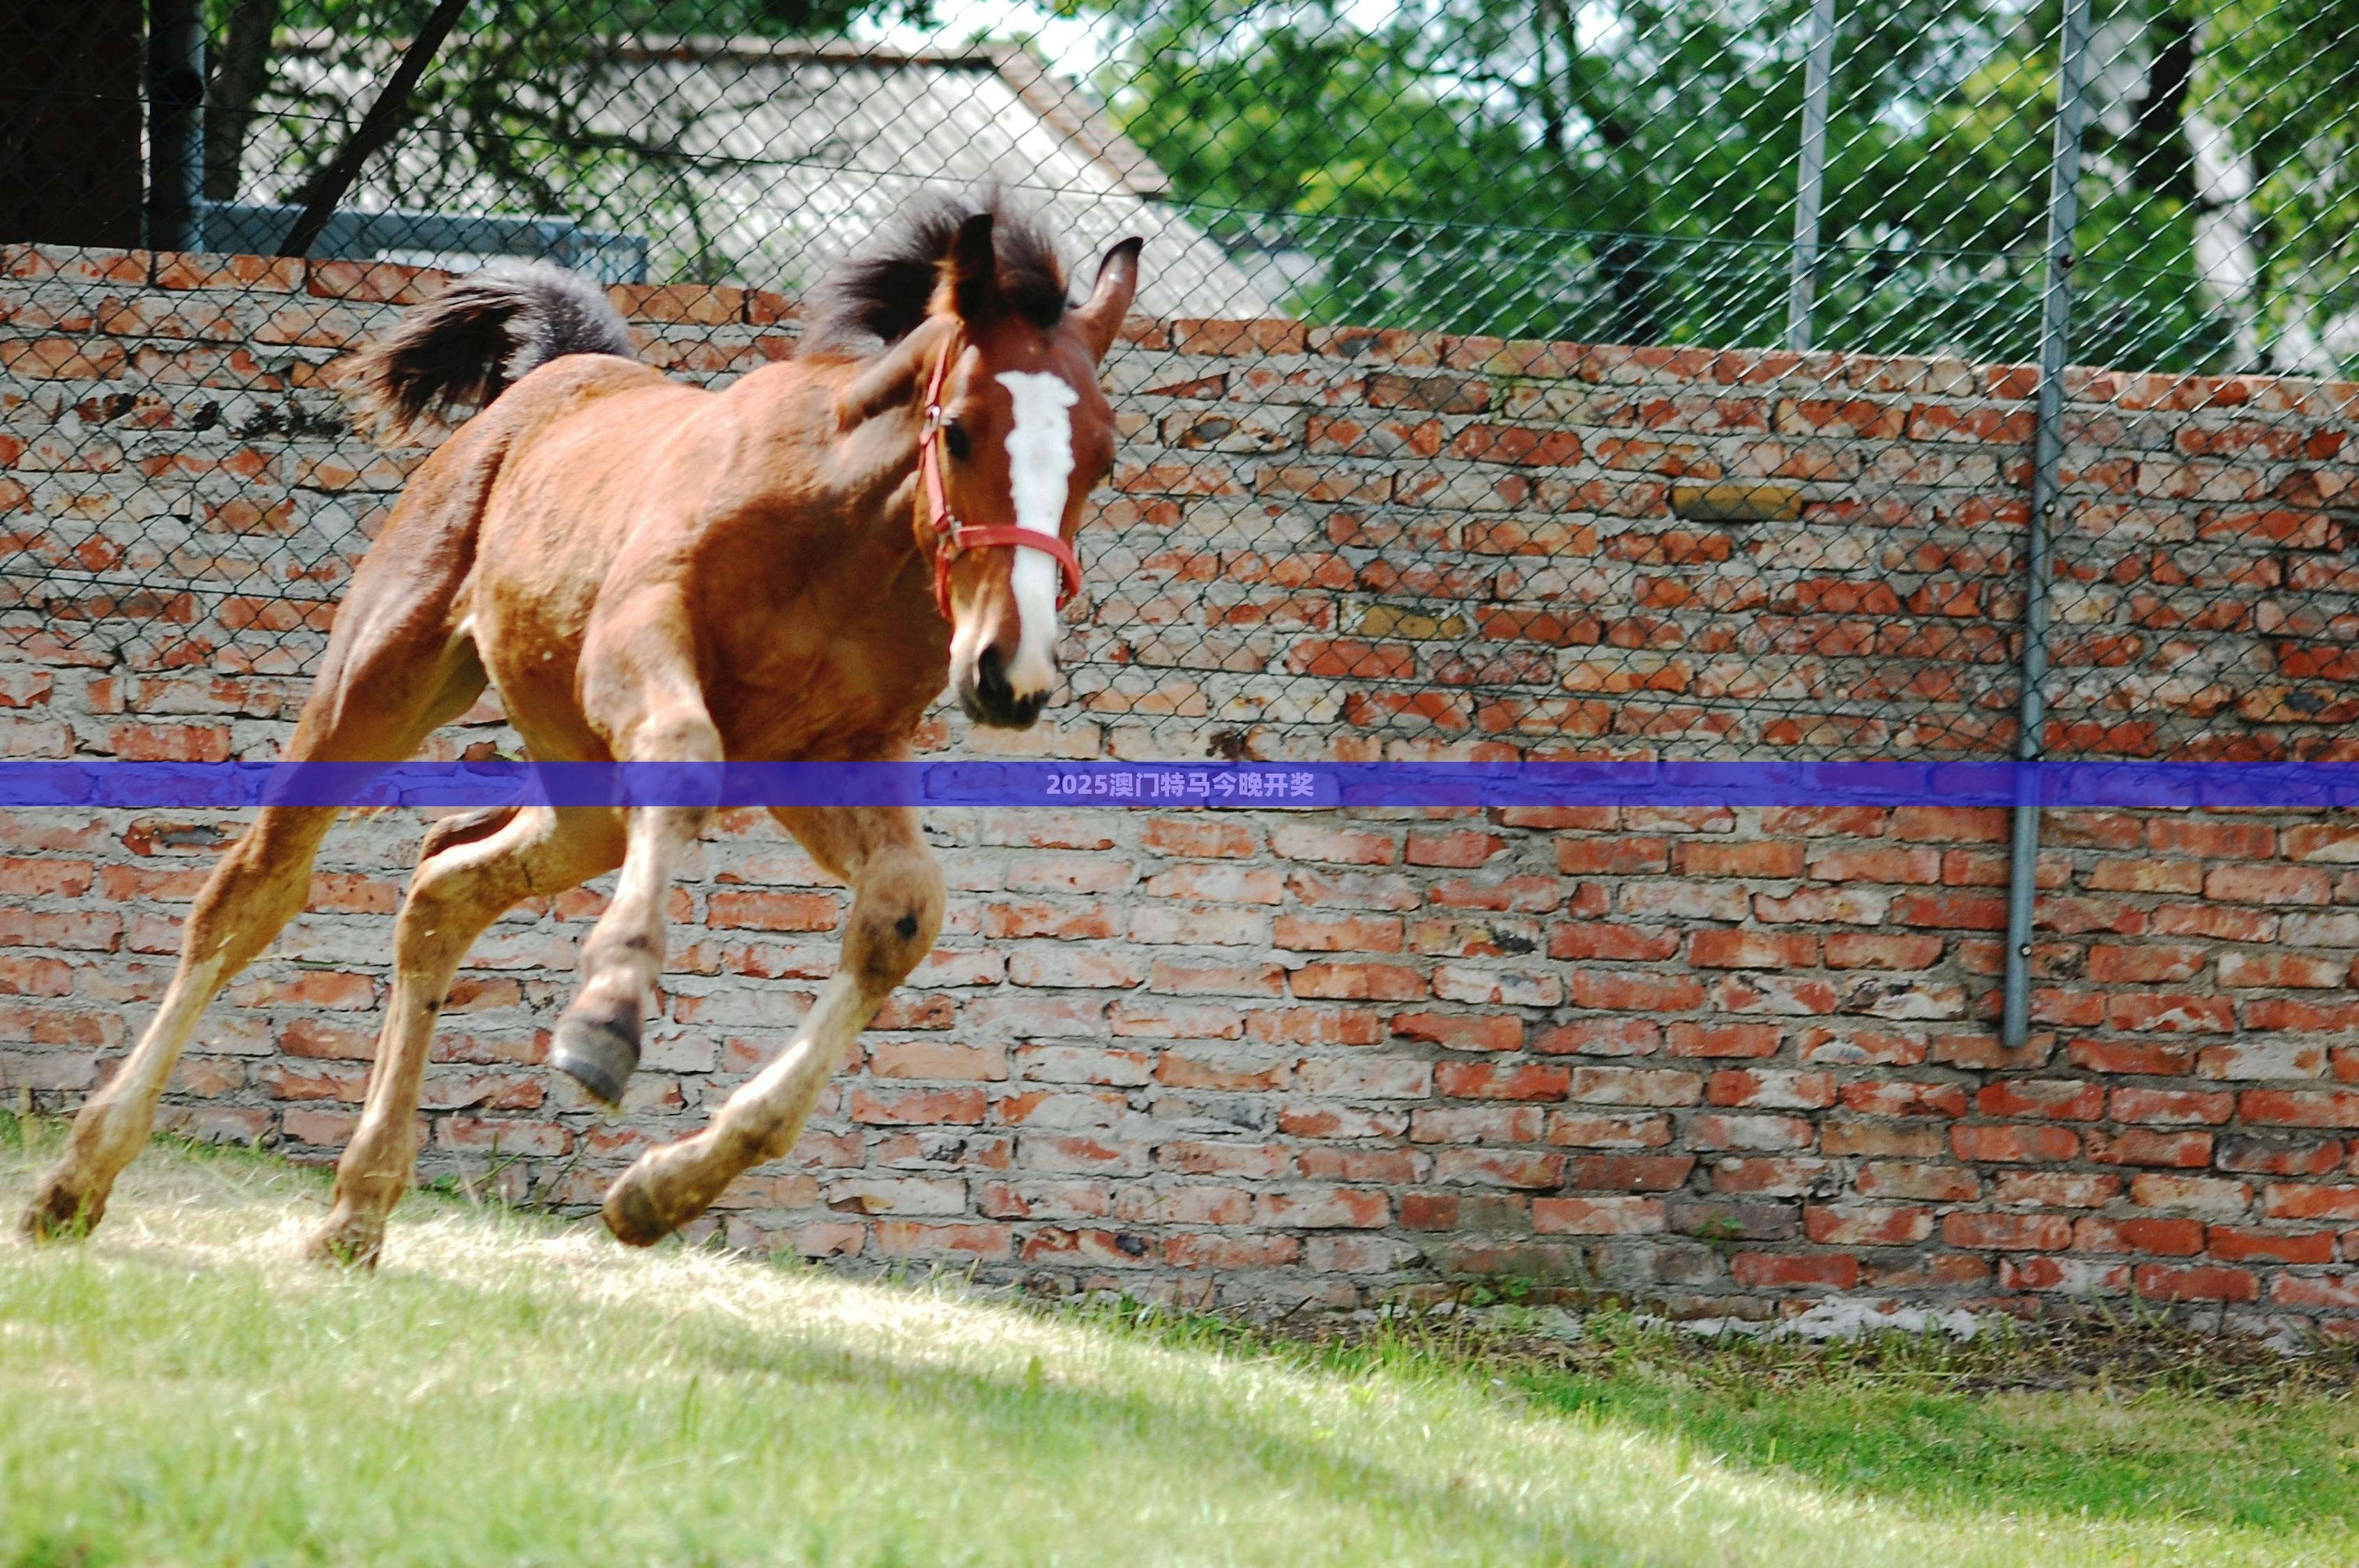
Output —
(2159, 185)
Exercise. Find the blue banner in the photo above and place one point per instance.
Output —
(1163, 785)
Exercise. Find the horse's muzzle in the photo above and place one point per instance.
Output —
(986, 697)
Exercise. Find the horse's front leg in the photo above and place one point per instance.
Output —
(643, 695)
(897, 909)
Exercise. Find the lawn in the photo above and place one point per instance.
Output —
(511, 1388)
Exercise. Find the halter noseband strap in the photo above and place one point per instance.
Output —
(953, 537)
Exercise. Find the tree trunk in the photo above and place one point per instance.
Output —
(237, 84)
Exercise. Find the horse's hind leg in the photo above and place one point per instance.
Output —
(896, 908)
(470, 871)
(258, 885)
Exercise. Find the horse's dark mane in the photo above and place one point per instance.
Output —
(879, 295)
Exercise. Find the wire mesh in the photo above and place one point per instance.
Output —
(1449, 532)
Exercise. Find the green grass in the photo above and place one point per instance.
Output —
(510, 1389)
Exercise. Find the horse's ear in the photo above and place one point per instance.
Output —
(974, 271)
(1109, 302)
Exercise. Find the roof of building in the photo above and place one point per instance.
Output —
(772, 160)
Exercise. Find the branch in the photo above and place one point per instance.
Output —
(375, 128)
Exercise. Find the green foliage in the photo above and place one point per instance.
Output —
(1629, 171)
(2281, 79)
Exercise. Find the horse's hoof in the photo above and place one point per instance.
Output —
(598, 1054)
(346, 1243)
(630, 1215)
(59, 1214)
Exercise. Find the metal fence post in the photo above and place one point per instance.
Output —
(1818, 76)
(2047, 454)
(175, 123)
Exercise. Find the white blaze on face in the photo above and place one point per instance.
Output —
(1041, 465)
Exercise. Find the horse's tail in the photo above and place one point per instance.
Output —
(469, 341)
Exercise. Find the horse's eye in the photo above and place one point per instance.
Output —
(954, 437)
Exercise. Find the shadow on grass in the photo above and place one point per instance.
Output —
(1851, 1425)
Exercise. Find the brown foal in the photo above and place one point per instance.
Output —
(651, 572)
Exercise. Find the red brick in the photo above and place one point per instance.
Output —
(2259, 972)
(1358, 982)
(1610, 1215)
(2169, 1238)
(2330, 841)
(1188, 835)
(1594, 940)
(2047, 1271)
(1498, 1167)
(1629, 1173)
(912, 1239)
(1724, 1040)
(1932, 1184)
(2179, 1151)
(917, 1107)
(1633, 993)
(1866, 1226)
(2162, 1282)
(2148, 1012)
(1757, 1132)
(1612, 857)
(2261, 1059)
(1770, 1090)
(2281, 1156)
(1499, 1080)
(1324, 1208)
(2174, 834)
(2132, 1056)
(2059, 1099)
(2338, 1291)
(1726, 949)
(1076, 967)
(1767, 1269)
(1876, 864)
(2234, 1245)
(774, 911)
(1634, 1085)
(2291, 1200)
(1767, 857)
(1344, 846)
(1608, 1129)
(2013, 1232)
(1459, 848)
(2220, 921)
(1462, 1031)
(1338, 933)
(2171, 1106)
(2301, 1108)
(1969, 912)
(2118, 874)
(1770, 1176)
(1368, 1077)
(1882, 950)
(1902, 1097)
(2267, 884)
(2203, 1195)
(2039, 1144)
(2054, 1189)
(2146, 964)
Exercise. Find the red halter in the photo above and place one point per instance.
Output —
(951, 537)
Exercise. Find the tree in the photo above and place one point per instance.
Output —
(1625, 169)
(511, 99)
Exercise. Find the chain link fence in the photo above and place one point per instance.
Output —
(1797, 524)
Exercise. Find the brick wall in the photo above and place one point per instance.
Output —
(1720, 1060)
